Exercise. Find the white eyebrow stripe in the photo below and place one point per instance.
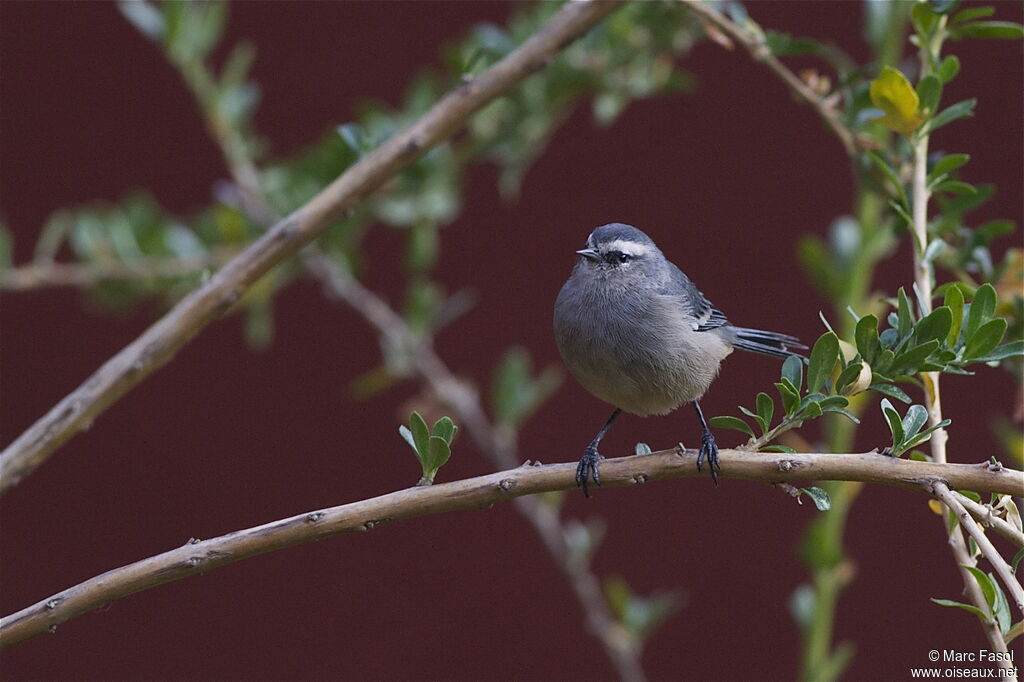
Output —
(625, 246)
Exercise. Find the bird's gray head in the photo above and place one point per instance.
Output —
(619, 250)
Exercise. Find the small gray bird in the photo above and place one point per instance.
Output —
(637, 333)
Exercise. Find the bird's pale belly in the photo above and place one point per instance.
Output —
(644, 372)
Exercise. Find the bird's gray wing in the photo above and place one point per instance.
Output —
(706, 315)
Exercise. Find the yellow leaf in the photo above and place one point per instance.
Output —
(936, 507)
(892, 93)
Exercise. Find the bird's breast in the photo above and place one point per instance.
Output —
(636, 350)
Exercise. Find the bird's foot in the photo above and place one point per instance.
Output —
(588, 468)
(709, 449)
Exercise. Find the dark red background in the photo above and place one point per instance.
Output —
(725, 179)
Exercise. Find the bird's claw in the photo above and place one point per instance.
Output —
(587, 469)
(709, 449)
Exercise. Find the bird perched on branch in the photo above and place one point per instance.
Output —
(638, 334)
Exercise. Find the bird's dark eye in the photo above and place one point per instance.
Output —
(623, 257)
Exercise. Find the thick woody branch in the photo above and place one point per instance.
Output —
(759, 51)
(1002, 569)
(480, 493)
(162, 341)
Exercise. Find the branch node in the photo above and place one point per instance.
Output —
(788, 465)
(194, 561)
(193, 541)
(506, 484)
(640, 478)
(52, 604)
(313, 517)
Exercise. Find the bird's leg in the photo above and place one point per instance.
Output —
(708, 446)
(588, 462)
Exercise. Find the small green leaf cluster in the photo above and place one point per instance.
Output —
(906, 432)
(800, 402)
(998, 606)
(188, 32)
(516, 393)
(432, 448)
(947, 339)
(639, 616)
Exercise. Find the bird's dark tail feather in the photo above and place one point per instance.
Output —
(769, 343)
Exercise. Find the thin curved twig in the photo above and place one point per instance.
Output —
(1002, 569)
(162, 341)
(50, 275)
(200, 556)
(759, 52)
(986, 516)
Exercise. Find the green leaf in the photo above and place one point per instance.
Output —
(985, 339)
(970, 14)
(985, 583)
(889, 173)
(991, 229)
(981, 310)
(756, 417)
(891, 391)
(1002, 352)
(445, 429)
(439, 453)
(782, 44)
(956, 187)
(966, 607)
(779, 448)
(846, 413)
(949, 68)
(823, 359)
(405, 433)
(820, 497)
(730, 422)
(765, 409)
(910, 361)
(923, 18)
(1016, 559)
(954, 300)
(793, 371)
(924, 436)
(1000, 606)
(929, 90)
(989, 29)
(904, 314)
(816, 261)
(866, 337)
(947, 164)
(915, 418)
(951, 113)
(642, 449)
(934, 326)
(790, 399)
(420, 435)
(892, 93)
(892, 418)
(515, 393)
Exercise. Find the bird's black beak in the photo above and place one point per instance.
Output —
(590, 254)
